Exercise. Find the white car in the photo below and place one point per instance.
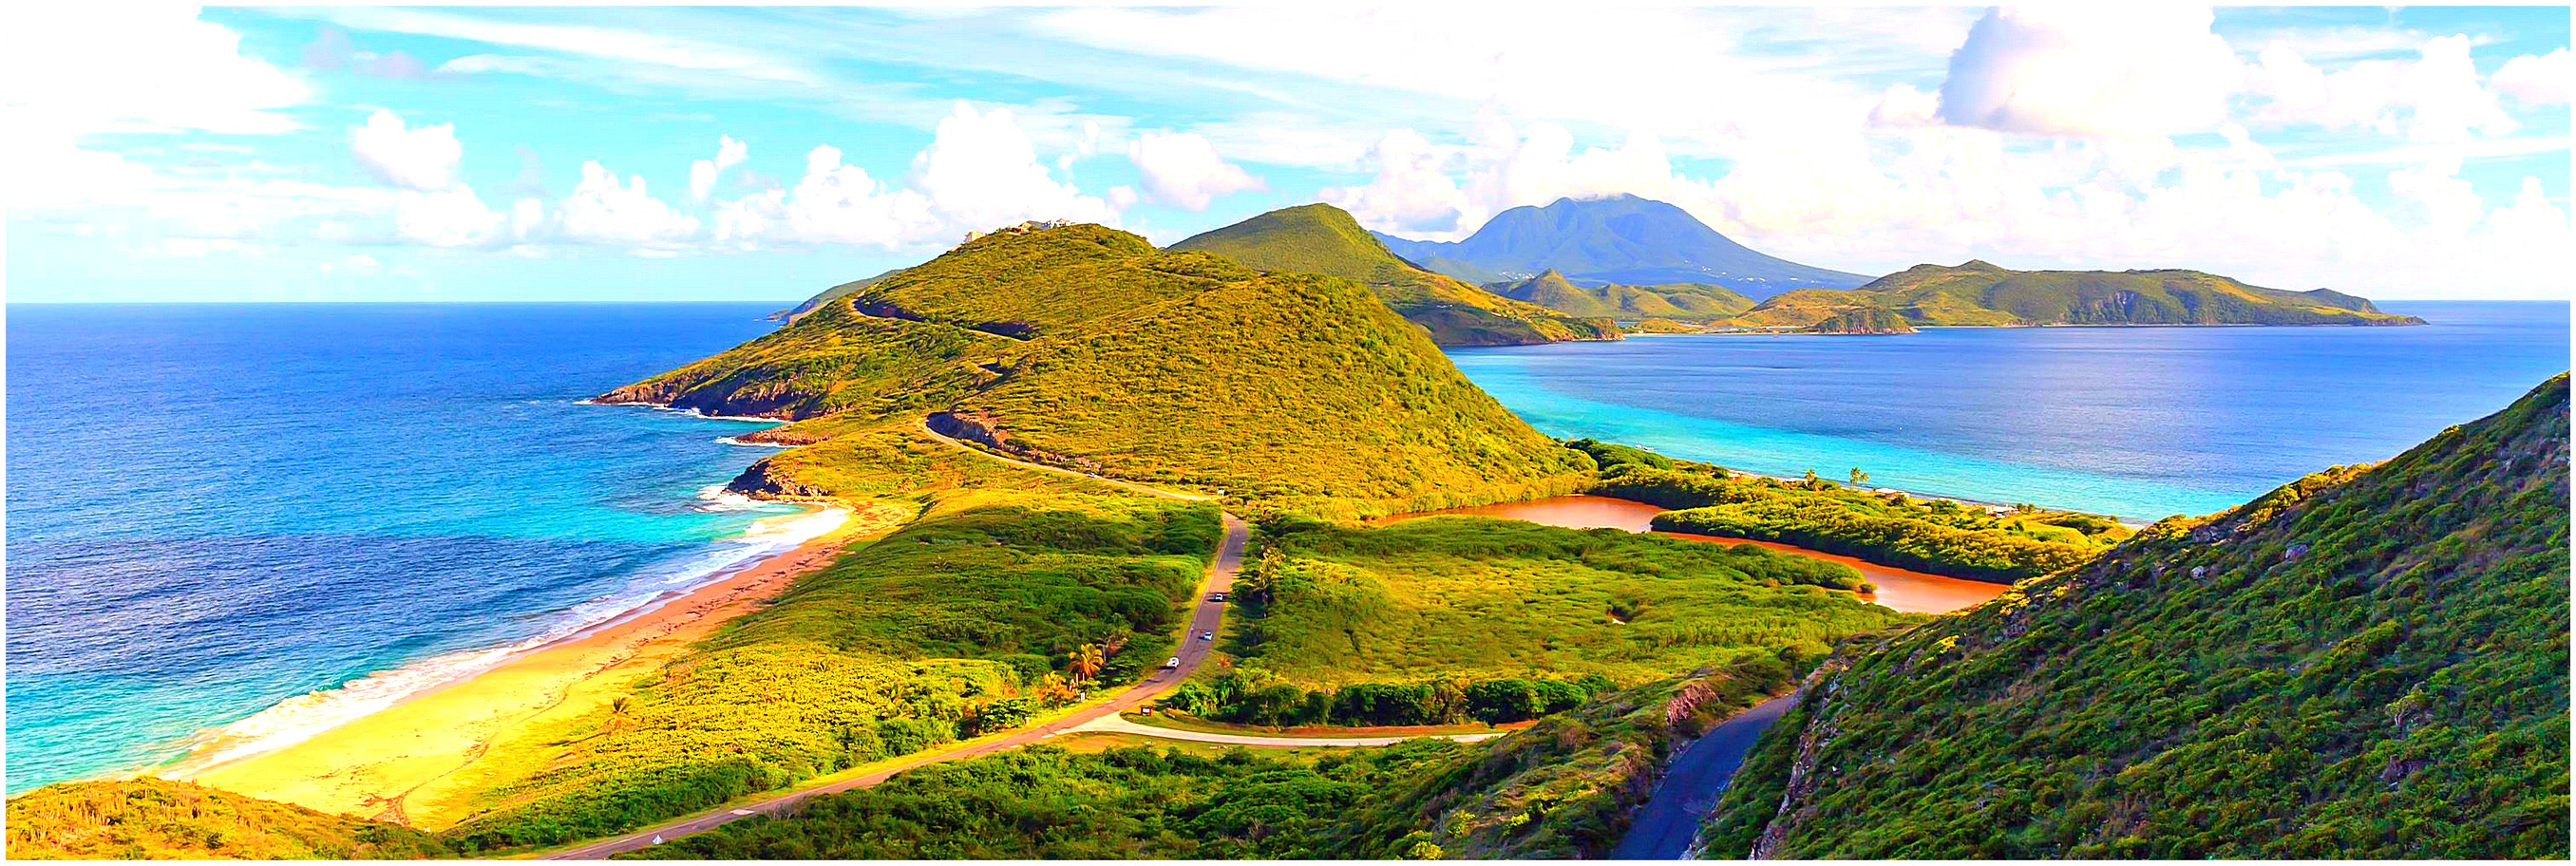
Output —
(1171, 663)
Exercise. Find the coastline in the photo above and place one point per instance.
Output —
(421, 759)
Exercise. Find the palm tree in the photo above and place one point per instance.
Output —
(1087, 660)
(1858, 477)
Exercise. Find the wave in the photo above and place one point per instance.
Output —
(691, 412)
(737, 440)
(305, 716)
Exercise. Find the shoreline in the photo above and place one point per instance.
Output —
(420, 759)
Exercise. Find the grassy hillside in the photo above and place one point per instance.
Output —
(1322, 239)
(1560, 789)
(153, 819)
(1683, 302)
(2368, 663)
(1932, 535)
(1088, 347)
(1978, 293)
(1867, 320)
(829, 295)
(1445, 619)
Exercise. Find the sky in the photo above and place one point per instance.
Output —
(171, 153)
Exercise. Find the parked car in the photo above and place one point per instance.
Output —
(1173, 662)
(1207, 635)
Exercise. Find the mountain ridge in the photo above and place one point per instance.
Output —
(1977, 292)
(1615, 239)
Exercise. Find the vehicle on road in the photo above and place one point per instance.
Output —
(1207, 635)
(1173, 662)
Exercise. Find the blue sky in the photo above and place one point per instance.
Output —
(659, 153)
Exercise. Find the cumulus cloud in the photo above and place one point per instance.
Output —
(2537, 80)
(1183, 169)
(979, 172)
(1415, 191)
(421, 158)
(2434, 98)
(703, 173)
(603, 210)
(453, 217)
(2100, 69)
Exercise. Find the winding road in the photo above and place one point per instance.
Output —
(1669, 822)
(1205, 616)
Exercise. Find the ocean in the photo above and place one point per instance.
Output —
(2136, 422)
(273, 517)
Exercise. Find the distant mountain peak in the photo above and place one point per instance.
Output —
(1623, 239)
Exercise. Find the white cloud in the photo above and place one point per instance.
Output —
(1184, 169)
(602, 210)
(703, 173)
(979, 172)
(83, 68)
(1415, 194)
(1412, 192)
(423, 158)
(2537, 80)
(454, 217)
(2101, 69)
(2435, 98)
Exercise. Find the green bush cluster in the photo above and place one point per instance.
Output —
(1935, 535)
(1253, 697)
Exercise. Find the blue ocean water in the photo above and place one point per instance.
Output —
(215, 508)
(2136, 422)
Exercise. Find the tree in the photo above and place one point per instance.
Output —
(1087, 660)
(1858, 477)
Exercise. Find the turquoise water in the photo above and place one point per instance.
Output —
(216, 508)
(2136, 422)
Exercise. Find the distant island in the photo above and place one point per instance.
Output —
(1978, 293)
(1619, 239)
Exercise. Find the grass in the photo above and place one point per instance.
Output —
(155, 819)
(1442, 620)
(1977, 293)
(2368, 663)
(1936, 535)
(1322, 239)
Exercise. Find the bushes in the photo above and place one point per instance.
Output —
(1260, 699)
(1937, 536)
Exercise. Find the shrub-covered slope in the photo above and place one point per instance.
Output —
(1682, 302)
(1978, 293)
(154, 819)
(1322, 239)
(2370, 662)
(1086, 346)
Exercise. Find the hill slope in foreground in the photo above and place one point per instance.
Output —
(152, 819)
(1085, 347)
(1978, 293)
(1620, 239)
(2370, 662)
(1322, 239)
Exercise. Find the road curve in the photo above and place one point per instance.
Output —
(1204, 616)
(1666, 826)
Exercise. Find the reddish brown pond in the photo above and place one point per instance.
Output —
(1909, 591)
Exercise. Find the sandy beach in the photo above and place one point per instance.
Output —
(420, 761)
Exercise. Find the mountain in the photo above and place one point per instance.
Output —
(1088, 347)
(1684, 302)
(1322, 239)
(827, 296)
(2367, 663)
(1621, 239)
(1978, 293)
(154, 819)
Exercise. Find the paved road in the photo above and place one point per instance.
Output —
(1119, 725)
(1669, 822)
(1203, 617)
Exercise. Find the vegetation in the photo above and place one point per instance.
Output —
(1939, 536)
(1863, 320)
(2368, 663)
(1560, 789)
(154, 819)
(829, 295)
(1322, 239)
(1977, 293)
(1680, 302)
(1439, 620)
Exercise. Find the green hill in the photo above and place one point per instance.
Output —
(1087, 347)
(1322, 239)
(153, 819)
(1684, 302)
(1978, 293)
(829, 295)
(1865, 320)
(2368, 663)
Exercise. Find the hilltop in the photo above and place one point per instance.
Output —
(1979, 293)
(1322, 239)
(1681, 302)
(2370, 662)
(1087, 347)
(1621, 239)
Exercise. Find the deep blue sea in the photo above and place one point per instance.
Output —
(2136, 422)
(215, 508)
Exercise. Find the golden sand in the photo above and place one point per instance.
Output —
(421, 762)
